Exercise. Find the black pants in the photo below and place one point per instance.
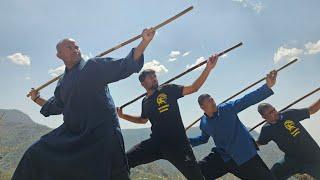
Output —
(288, 167)
(181, 156)
(213, 167)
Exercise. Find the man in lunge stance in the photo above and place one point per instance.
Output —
(302, 153)
(89, 144)
(235, 150)
(168, 139)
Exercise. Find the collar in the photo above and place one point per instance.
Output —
(213, 115)
(81, 61)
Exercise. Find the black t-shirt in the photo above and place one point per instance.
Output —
(291, 137)
(162, 110)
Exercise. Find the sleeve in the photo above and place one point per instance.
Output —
(202, 139)
(297, 114)
(52, 107)
(175, 90)
(264, 137)
(252, 98)
(113, 70)
(143, 112)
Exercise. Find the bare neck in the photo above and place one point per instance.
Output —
(70, 64)
(150, 92)
(277, 119)
(210, 113)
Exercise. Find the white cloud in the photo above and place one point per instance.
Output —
(312, 48)
(186, 53)
(20, 59)
(255, 5)
(156, 66)
(57, 71)
(174, 54)
(28, 78)
(172, 59)
(199, 60)
(224, 56)
(287, 54)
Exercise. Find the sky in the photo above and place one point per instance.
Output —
(273, 33)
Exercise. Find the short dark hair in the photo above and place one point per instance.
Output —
(202, 97)
(262, 107)
(145, 73)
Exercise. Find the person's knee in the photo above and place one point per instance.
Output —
(204, 169)
(277, 170)
(130, 161)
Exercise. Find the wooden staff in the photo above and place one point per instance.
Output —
(287, 107)
(183, 73)
(123, 44)
(248, 87)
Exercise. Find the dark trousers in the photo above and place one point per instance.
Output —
(119, 164)
(181, 156)
(288, 167)
(213, 166)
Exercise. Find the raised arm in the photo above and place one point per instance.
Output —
(111, 70)
(202, 139)
(258, 95)
(134, 119)
(314, 107)
(212, 61)
(147, 36)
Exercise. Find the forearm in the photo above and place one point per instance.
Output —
(201, 79)
(197, 83)
(257, 143)
(196, 141)
(252, 98)
(40, 101)
(134, 119)
(140, 49)
(314, 107)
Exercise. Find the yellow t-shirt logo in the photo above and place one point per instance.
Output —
(291, 127)
(162, 102)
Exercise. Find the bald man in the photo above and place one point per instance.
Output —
(89, 143)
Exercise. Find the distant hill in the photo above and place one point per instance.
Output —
(18, 132)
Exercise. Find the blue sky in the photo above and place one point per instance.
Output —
(272, 32)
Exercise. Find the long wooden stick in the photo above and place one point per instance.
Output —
(123, 44)
(183, 73)
(287, 107)
(248, 87)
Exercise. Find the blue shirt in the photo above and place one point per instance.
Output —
(232, 139)
(83, 143)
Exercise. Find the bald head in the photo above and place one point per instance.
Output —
(268, 112)
(62, 43)
(68, 51)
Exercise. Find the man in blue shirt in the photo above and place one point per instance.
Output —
(89, 143)
(302, 153)
(235, 150)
